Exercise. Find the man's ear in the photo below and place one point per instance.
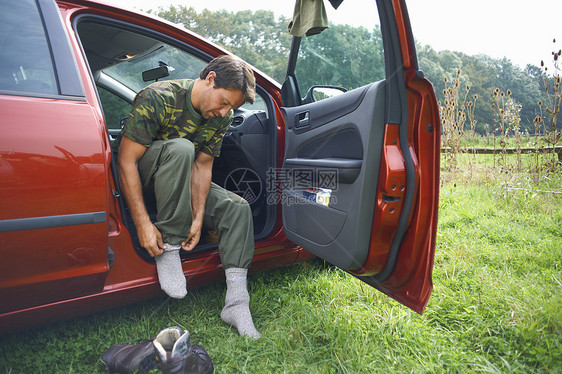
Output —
(210, 79)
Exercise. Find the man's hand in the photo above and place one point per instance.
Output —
(151, 239)
(193, 237)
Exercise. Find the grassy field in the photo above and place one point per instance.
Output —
(496, 304)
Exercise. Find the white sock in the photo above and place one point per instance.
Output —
(236, 310)
(170, 275)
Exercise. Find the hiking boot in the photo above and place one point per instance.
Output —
(178, 356)
(136, 358)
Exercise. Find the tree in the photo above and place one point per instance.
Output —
(257, 37)
(524, 90)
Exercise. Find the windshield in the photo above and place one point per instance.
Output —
(182, 65)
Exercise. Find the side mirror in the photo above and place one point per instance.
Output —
(317, 93)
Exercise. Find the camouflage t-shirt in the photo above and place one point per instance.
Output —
(163, 111)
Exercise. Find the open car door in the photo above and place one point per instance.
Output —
(362, 170)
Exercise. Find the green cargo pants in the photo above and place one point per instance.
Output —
(165, 171)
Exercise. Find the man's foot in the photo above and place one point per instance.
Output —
(236, 311)
(170, 274)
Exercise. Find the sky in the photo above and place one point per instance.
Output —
(520, 30)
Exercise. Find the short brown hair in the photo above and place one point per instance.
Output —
(232, 73)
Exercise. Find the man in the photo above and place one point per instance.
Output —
(166, 152)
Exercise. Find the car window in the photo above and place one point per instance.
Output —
(349, 54)
(25, 58)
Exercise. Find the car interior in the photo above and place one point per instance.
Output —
(124, 59)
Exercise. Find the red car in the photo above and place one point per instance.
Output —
(348, 176)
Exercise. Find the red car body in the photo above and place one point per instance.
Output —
(60, 210)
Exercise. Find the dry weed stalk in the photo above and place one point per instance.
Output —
(547, 119)
(470, 106)
(453, 118)
(508, 120)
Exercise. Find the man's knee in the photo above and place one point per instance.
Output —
(178, 149)
(237, 208)
(240, 204)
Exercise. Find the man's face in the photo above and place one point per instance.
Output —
(217, 102)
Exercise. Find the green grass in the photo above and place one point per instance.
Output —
(496, 307)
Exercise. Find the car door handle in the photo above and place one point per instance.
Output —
(302, 119)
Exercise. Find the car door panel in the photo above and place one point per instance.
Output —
(346, 143)
(319, 224)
